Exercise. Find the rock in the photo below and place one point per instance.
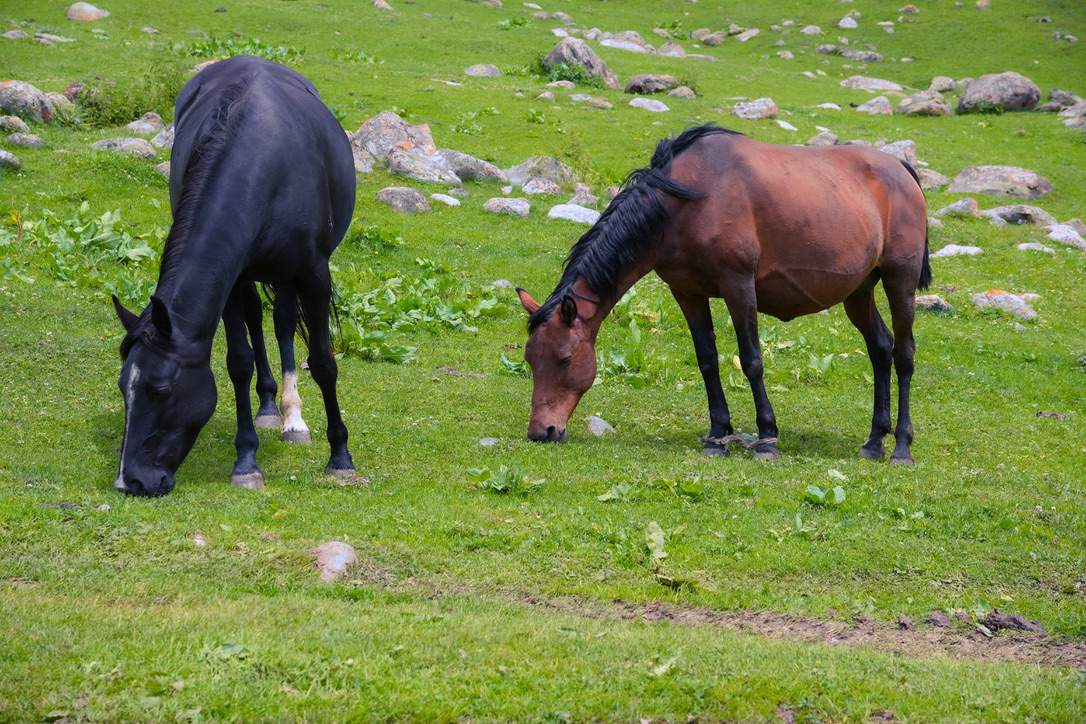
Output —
(52, 39)
(932, 303)
(1064, 99)
(931, 180)
(861, 56)
(1021, 214)
(1001, 181)
(962, 209)
(488, 441)
(363, 159)
(445, 199)
(942, 84)
(131, 146)
(540, 185)
(903, 150)
(747, 35)
(630, 40)
(14, 124)
(878, 106)
(146, 124)
(163, 168)
(785, 125)
(403, 199)
(682, 92)
(700, 34)
(1067, 235)
(333, 559)
(574, 212)
(828, 49)
(909, 9)
(564, 84)
(469, 168)
(938, 618)
(1008, 91)
(502, 284)
(543, 166)
(671, 50)
(647, 84)
(1015, 304)
(598, 426)
(871, 85)
(601, 103)
(649, 104)
(1077, 226)
(829, 106)
(1035, 246)
(385, 131)
(996, 621)
(86, 13)
(382, 5)
(756, 109)
(149, 29)
(25, 140)
(786, 55)
(924, 103)
(848, 23)
(507, 206)
(482, 70)
(825, 138)
(25, 100)
(545, 96)
(16, 35)
(164, 138)
(415, 163)
(560, 32)
(811, 30)
(9, 160)
(60, 101)
(957, 250)
(583, 196)
(934, 223)
(574, 51)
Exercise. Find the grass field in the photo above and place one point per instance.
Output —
(545, 603)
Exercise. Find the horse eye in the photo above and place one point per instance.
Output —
(565, 360)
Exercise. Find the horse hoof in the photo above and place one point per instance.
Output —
(902, 460)
(767, 455)
(868, 454)
(268, 422)
(344, 476)
(716, 451)
(249, 481)
(298, 437)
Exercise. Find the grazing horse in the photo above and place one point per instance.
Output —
(262, 187)
(776, 229)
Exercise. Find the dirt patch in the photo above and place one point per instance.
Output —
(919, 639)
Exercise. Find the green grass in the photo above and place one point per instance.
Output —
(104, 610)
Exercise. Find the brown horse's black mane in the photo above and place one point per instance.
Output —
(628, 225)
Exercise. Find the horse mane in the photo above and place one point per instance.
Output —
(204, 158)
(629, 224)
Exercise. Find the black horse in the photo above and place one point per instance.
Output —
(262, 187)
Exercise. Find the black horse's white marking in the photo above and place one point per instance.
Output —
(262, 188)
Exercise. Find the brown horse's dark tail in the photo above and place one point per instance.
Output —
(925, 270)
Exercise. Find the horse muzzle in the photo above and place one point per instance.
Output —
(549, 433)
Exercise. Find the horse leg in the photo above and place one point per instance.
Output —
(267, 415)
(239, 363)
(699, 318)
(742, 303)
(861, 310)
(286, 322)
(316, 298)
(902, 297)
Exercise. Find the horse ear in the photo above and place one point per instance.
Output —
(128, 320)
(568, 309)
(160, 317)
(531, 305)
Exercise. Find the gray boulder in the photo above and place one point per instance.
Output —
(507, 206)
(385, 131)
(957, 250)
(942, 84)
(931, 180)
(24, 99)
(130, 146)
(597, 426)
(671, 50)
(1008, 91)
(574, 51)
(163, 168)
(1020, 214)
(649, 104)
(575, 213)
(877, 106)
(903, 150)
(1067, 235)
(871, 85)
(25, 140)
(403, 199)
(1001, 181)
(146, 124)
(1015, 304)
(539, 185)
(583, 196)
(961, 209)
(824, 138)
(682, 91)
(470, 168)
(924, 103)
(543, 166)
(647, 83)
(164, 138)
(483, 70)
(9, 160)
(13, 124)
(756, 109)
(415, 163)
(86, 13)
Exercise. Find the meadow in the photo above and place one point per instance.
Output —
(620, 577)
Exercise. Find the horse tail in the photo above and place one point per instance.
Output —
(304, 323)
(925, 269)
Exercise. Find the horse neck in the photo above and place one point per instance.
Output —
(626, 278)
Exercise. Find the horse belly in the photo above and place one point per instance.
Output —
(790, 293)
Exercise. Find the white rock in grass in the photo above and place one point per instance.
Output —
(507, 206)
(598, 426)
(877, 106)
(9, 160)
(1067, 235)
(829, 106)
(785, 125)
(483, 70)
(86, 13)
(333, 559)
(756, 109)
(1035, 246)
(871, 85)
(131, 146)
(488, 441)
(574, 212)
(146, 124)
(1016, 304)
(932, 303)
(445, 199)
(649, 104)
(848, 23)
(957, 250)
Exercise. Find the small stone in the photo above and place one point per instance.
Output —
(507, 206)
(828, 106)
(671, 50)
(583, 196)
(648, 83)
(9, 160)
(469, 168)
(1035, 246)
(714, 39)
(756, 109)
(861, 56)
(541, 185)
(146, 124)
(52, 38)
(825, 138)
(957, 250)
(996, 621)
(1020, 214)
(574, 212)
(333, 559)
(164, 138)
(13, 124)
(682, 92)
(963, 209)
(25, 140)
(445, 199)
(1015, 304)
(544, 166)
(16, 34)
(942, 84)
(564, 84)
(1001, 181)
(163, 168)
(871, 85)
(403, 199)
(931, 180)
(131, 146)
(785, 125)
(649, 104)
(848, 23)
(86, 13)
(811, 30)
(1067, 235)
(198, 539)
(747, 35)
(901, 150)
(786, 55)
(149, 29)
(924, 103)
(381, 5)
(545, 96)
(598, 426)
(932, 303)
(878, 106)
(488, 441)
(482, 70)
(502, 284)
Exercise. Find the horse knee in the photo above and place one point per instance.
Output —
(239, 362)
(753, 367)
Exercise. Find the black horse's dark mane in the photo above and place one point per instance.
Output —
(205, 156)
(629, 224)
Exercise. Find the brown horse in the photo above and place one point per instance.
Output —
(776, 229)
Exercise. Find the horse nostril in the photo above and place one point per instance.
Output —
(550, 432)
(133, 486)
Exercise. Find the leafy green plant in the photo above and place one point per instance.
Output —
(688, 489)
(510, 23)
(505, 480)
(353, 56)
(827, 498)
(518, 367)
(535, 116)
(111, 103)
(618, 491)
(219, 48)
(564, 71)
(371, 236)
